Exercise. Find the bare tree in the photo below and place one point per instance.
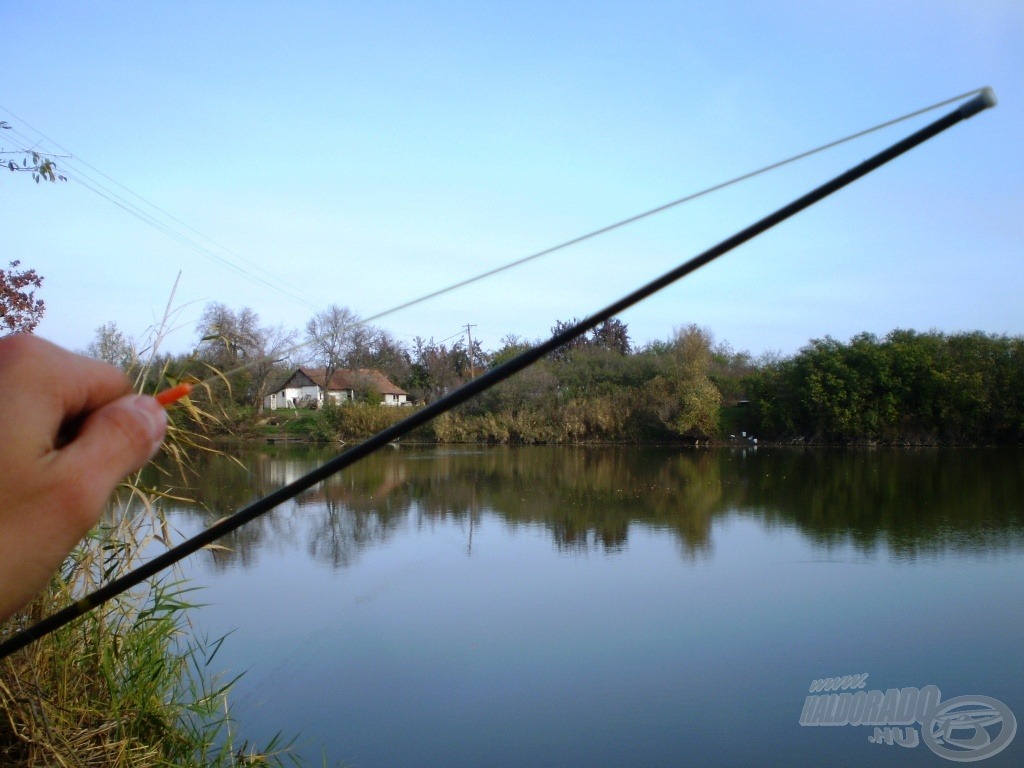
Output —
(329, 335)
(228, 338)
(274, 343)
(112, 346)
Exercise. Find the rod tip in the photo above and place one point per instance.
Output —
(986, 98)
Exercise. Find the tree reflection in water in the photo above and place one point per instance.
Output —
(914, 502)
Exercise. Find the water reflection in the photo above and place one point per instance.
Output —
(913, 502)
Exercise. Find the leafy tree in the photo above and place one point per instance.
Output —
(377, 349)
(437, 369)
(613, 335)
(682, 395)
(728, 369)
(565, 351)
(511, 345)
(964, 387)
(20, 310)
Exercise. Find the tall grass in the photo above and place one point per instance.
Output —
(127, 685)
(130, 683)
(352, 421)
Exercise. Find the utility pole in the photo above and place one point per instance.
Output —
(469, 335)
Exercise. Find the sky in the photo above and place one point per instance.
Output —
(289, 156)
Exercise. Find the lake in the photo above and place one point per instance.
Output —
(571, 607)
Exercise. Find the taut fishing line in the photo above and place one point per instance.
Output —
(609, 228)
(982, 100)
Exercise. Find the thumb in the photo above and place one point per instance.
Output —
(116, 440)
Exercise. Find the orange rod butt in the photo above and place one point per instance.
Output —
(173, 394)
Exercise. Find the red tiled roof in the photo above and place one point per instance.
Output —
(345, 378)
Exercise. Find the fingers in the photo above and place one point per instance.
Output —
(69, 432)
(70, 428)
(46, 386)
(114, 441)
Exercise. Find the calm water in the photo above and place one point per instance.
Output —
(620, 607)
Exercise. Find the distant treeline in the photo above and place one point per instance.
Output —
(909, 387)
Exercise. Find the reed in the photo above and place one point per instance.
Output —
(130, 683)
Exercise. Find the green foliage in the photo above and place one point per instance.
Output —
(43, 167)
(128, 684)
(909, 387)
(352, 421)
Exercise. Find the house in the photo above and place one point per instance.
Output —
(305, 388)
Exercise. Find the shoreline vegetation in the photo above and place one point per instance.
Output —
(129, 684)
(905, 389)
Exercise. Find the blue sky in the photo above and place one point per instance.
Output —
(366, 153)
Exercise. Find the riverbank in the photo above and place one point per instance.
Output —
(356, 422)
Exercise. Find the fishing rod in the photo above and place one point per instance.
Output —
(985, 99)
(186, 388)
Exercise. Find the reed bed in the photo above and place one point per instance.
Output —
(130, 684)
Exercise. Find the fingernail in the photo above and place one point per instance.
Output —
(154, 417)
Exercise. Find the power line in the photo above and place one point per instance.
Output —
(95, 186)
(610, 227)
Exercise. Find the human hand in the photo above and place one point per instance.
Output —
(70, 430)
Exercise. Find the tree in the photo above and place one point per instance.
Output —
(511, 345)
(563, 352)
(228, 339)
(683, 396)
(273, 345)
(231, 339)
(20, 310)
(613, 335)
(384, 353)
(112, 346)
(329, 335)
(437, 369)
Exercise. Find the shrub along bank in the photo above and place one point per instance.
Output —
(906, 388)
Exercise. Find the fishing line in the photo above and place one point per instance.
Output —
(471, 389)
(133, 210)
(601, 231)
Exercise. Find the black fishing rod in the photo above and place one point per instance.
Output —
(968, 109)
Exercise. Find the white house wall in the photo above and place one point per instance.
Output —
(291, 397)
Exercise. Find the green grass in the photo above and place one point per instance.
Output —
(127, 685)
